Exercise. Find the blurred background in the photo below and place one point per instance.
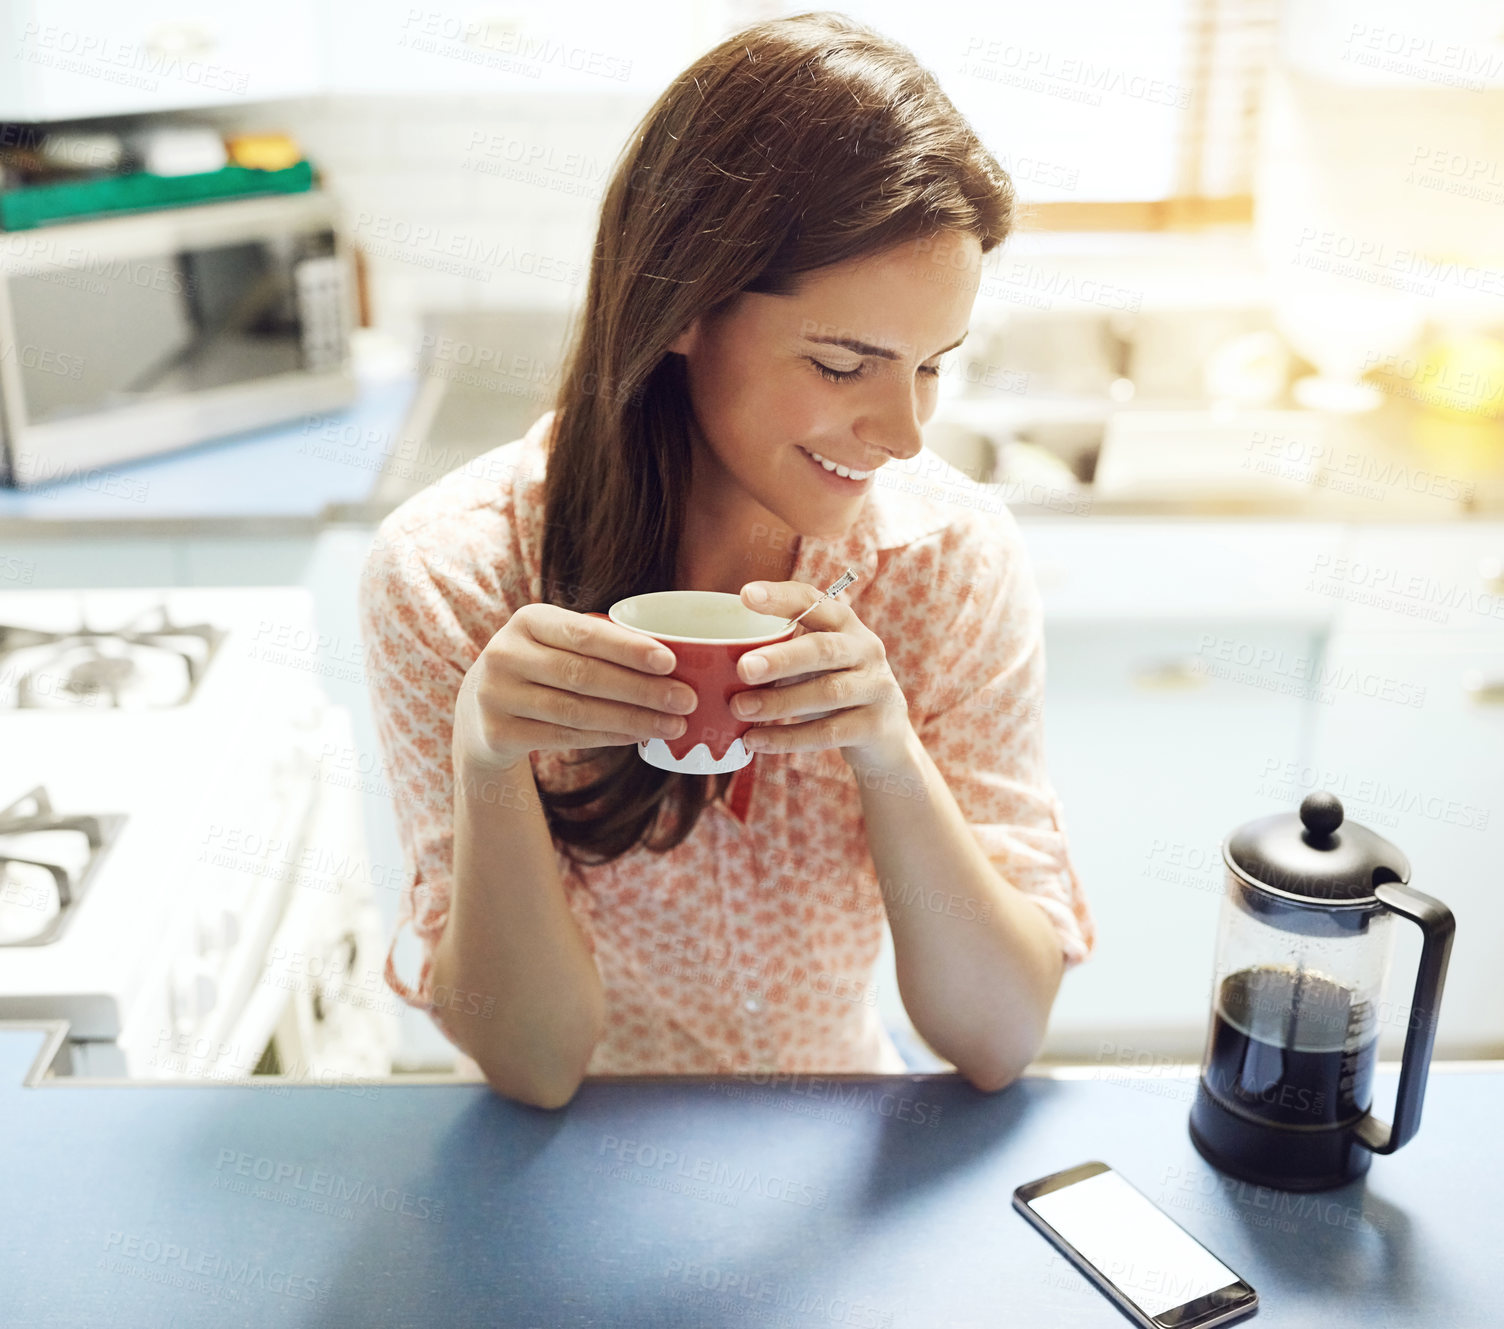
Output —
(265, 272)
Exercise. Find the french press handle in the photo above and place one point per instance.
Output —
(1437, 928)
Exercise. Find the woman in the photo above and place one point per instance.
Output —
(789, 244)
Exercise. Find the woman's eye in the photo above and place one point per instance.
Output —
(846, 375)
(836, 375)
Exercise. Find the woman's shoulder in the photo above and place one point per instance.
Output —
(955, 601)
(944, 536)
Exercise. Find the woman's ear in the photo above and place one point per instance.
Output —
(687, 340)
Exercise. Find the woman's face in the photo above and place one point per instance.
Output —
(847, 368)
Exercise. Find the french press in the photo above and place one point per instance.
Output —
(1304, 945)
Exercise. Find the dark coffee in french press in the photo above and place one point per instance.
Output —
(1285, 1097)
(1298, 1048)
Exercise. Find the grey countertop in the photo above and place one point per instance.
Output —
(664, 1201)
(285, 480)
(354, 466)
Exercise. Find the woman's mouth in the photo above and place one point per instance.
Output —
(844, 477)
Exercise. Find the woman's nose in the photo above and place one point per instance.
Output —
(893, 424)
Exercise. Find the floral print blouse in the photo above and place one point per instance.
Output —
(752, 944)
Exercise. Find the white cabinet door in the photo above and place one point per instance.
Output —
(1160, 744)
(517, 46)
(1430, 778)
(92, 57)
(1423, 578)
(1184, 569)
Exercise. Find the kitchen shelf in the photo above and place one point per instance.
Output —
(41, 205)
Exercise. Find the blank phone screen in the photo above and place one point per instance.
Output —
(1150, 1258)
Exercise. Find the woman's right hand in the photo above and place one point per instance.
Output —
(553, 678)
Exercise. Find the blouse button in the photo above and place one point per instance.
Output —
(753, 1005)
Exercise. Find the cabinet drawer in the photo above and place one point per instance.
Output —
(1431, 780)
(1422, 579)
(1157, 758)
(1135, 569)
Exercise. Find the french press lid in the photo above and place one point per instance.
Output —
(1316, 854)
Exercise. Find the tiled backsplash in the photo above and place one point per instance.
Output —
(463, 202)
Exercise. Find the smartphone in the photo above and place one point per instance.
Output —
(1156, 1273)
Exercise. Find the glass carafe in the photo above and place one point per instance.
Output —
(1303, 950)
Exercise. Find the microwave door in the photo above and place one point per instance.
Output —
(243, 324)
(154, 351)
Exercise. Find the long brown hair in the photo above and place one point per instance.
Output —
(793, 145)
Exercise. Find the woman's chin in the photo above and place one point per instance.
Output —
(827, 520)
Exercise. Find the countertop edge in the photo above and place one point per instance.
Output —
(55, 1034)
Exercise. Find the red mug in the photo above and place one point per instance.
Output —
(708, 632)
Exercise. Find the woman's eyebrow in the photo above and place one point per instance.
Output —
(882, 352)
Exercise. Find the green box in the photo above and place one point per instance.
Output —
(80, 200)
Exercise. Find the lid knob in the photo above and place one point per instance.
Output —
(1306, 855)
(1321, 813)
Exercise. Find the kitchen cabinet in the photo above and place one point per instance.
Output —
(1156, 758)
(515, 48)
(1176, 656)
(1433, 579)
(1419, 616)
(1130, 569)
(1367, 660)
(91, 58)
(58, 564)
(88, 58)
(1429, 776)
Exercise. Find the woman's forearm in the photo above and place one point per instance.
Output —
(512, 939)
(978, 963)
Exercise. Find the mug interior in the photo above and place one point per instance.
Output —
(705, 616)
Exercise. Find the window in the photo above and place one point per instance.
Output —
(1107, 116)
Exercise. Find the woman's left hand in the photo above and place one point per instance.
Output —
(835, 677)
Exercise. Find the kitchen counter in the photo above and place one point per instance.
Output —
(353, 466)
(284, 480)
(853, 1200)
(1397, 464)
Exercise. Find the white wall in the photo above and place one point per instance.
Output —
(463, 202)
(1388, 192)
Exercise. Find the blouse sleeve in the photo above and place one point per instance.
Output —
(445, 572)
(985, 727)
(416, 657)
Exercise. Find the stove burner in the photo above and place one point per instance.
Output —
(101, 673)
(46, 864)
(150, 665)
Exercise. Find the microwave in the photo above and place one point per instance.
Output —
(126, 336)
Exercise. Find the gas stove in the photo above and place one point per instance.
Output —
(46, 864)
(172, 651)
(162, 788)
(149, 661)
